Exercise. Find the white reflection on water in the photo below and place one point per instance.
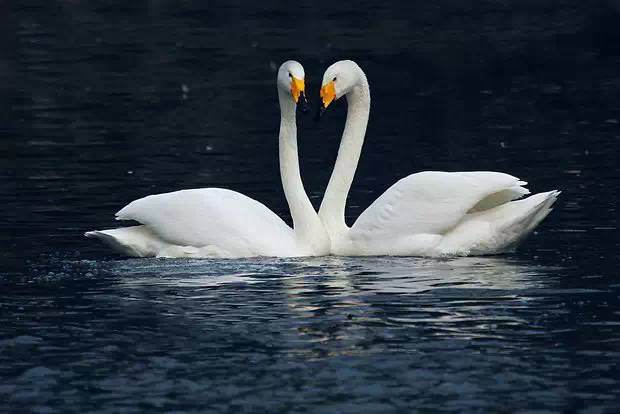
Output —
(343, 275)
(470, 297)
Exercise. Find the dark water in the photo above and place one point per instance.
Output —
(105, 102)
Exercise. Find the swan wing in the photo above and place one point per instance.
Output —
(235, 224)
(433, 202)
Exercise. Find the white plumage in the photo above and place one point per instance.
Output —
(211, 222)
(215, 222)
(430, 213)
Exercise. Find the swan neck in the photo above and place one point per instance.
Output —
(306, 224)
(332, 211)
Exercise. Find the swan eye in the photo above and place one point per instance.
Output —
(334, 79)
(290, 75)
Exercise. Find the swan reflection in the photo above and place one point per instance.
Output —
(344, 298)
(337, 275)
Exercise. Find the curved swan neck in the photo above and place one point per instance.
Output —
(306, 224)
(335, 199)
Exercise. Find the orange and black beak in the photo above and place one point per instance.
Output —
(297, 90)
(328, 94)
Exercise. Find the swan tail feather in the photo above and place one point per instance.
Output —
(517, 219)
(544, 208)
(136, 241)
(499, 229)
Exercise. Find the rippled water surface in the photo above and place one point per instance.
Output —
(105, 102)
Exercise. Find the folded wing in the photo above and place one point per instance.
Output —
(434, 202)
(232, 222)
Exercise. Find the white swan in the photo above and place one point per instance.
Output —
(215, 222)
(430, 213)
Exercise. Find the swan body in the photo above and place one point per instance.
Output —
(436, 213)
(215, 222)
(430, 213)
(202, 222)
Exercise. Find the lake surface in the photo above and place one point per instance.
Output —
(105, 102)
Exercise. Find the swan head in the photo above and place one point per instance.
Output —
(291, 81)
(338, 80)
